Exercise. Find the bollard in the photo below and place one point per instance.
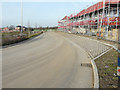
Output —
(118, 70)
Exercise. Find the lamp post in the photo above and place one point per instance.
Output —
(21, 17)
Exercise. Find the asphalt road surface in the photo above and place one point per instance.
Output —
(51, 60)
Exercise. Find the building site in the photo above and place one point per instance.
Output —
(101, 19)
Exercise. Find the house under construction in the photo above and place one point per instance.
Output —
(101, 19)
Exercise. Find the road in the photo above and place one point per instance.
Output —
(51, 60)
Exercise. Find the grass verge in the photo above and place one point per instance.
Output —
(107, 68)
(10, 38)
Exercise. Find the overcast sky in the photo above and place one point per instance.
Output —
(39, 12)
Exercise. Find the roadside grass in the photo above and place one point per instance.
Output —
(106, 64)
(15, 37)
(107, 68)
(36, 34)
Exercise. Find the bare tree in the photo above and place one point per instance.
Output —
(36, 25)
(28, 28)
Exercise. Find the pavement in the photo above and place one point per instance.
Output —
(51, 60)
(91, 46)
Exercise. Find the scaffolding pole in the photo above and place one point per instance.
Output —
(98, 18)
(102, 15)
(117, 20)
(92, 18)
(108, 20)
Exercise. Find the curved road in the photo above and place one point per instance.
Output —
(48, 61)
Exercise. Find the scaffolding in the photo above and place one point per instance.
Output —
(101, 19)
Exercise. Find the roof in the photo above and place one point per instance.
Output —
(93, 8)
(96, 6)
(66, 17)
(112, 1)
(20, 26)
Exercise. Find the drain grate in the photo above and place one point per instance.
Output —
(86, 65)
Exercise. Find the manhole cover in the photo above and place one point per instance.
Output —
(86, 65)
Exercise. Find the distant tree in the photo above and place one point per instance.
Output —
(36, 26)
(40, 27)
(11, 27)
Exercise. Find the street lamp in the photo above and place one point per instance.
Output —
(21, 16)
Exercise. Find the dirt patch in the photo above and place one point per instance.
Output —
(107, 68)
